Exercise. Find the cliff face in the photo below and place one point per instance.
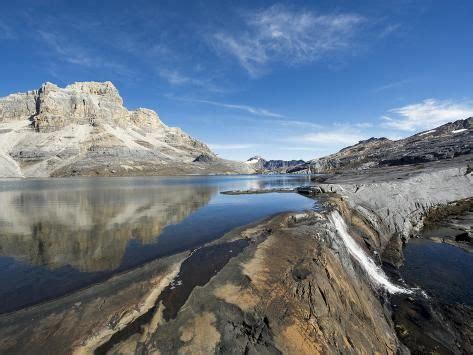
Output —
(84, 129)
(444, 142)
(384, 208)
(396, 205)
(264, 166)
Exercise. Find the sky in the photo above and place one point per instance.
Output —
(284, 80)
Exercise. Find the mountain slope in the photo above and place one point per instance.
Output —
(274, 166)
(445, 142)
(84, 129)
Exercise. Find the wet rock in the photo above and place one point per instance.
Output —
(463, 237)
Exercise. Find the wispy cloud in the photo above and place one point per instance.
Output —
(331, 138)
(288, 35)
(306, 149)
(177, 78)
(391, 85)
(230, 146)
(427, 114)
(249, 109)
(6, 32)
(67, 51)
(389, 29)
(297, 124)
(173, 76)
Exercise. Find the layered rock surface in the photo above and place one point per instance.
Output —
(445, 142)
(84, 129)
(391, 204)
(292, 289)
(264, 166)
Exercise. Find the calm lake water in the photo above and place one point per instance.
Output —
(59, 235)
(443, 270)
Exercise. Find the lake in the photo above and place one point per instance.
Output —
(444, 271)
(61, 235)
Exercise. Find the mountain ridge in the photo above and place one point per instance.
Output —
(264, 166)
(443, 142)
(84, 129)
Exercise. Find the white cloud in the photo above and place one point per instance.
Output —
(284, 34)
(389, 29)
(66, 50)
(297, 124)
(427, 114)
(308, 149)
(175, 77)
(392, 85)
(326, 142)
(230, 146)
(6, 31)
(333, 138)
(250, 109)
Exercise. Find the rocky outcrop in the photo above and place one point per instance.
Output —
(263, 166)
(84, 129)
(397, 199)
(292, 288)
(289, 284)
(385, 207)
(445, 142)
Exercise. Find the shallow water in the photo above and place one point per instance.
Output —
(59, 235)
(444, 271)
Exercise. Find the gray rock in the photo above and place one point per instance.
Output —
(444, 142)
(84, 129)
(263, 166)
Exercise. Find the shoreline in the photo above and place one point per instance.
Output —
(294, 263)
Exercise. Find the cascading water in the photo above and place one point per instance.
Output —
(375, 273)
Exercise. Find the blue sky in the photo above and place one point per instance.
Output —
(287, 79)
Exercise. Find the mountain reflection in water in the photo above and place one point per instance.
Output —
(89, 229)
(58, 235)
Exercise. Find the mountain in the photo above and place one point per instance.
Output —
(445, 142)
(263, 166)
(84, 129)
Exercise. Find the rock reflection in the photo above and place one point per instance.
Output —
(89, 226)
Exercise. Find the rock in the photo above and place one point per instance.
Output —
(463, 237)
(444, 142)
(205, 158)
(84, 129)
(263, 166)
(401, 203)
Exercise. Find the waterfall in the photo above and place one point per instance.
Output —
(375, 273)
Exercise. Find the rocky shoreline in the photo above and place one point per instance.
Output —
(288, 284)
(398, 204)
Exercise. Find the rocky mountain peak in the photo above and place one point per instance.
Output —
(84, 128)
(255, 159)
(103, 89)
(444, 142)
(264, 166)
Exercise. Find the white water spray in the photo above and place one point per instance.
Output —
(375, 273)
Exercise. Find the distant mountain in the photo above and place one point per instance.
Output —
(84, 129)
(263, 166)
(447, 141)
